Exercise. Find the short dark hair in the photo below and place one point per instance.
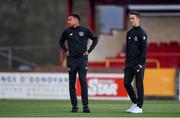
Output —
(76, 15)
(134, 13)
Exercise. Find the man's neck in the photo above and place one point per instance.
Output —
(136, 26)
(75, 26)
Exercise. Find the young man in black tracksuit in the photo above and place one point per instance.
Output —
(77, 58)
(136, 47)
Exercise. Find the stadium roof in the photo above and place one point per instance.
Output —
(126, 2)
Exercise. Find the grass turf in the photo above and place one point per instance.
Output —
(61, 108)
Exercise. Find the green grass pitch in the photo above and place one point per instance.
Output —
(109, 108)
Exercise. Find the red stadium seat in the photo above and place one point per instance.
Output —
(97, 64)
(174, 47)
(173, 43)
(163, 47)
(152, 47)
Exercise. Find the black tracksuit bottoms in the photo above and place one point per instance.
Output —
(78, 65)
(138, 74)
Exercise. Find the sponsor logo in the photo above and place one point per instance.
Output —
(102, 87)
(70, 34)
(144, 38)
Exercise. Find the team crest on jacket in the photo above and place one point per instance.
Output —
(81, 33)
(135, 38)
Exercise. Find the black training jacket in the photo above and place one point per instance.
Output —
(77, 40)
(136, 47)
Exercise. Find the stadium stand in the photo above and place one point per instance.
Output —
(160, 55)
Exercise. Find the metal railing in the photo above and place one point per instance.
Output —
(148, 60)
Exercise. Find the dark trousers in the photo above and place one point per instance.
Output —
(79, 66)
(138, 73)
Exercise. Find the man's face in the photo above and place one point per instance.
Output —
(72, 21)
(134, 20)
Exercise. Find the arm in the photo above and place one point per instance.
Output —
(62, 42)
(143, 50)
(94, 39)
(126, 49)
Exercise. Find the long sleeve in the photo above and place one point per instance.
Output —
(126, 49)
(143, 49)
(94, 39)
(62, 41)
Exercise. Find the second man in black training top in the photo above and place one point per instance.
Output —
(136, 48)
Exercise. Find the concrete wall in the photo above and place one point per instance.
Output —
(108, 45)
(158, 28)
(161, 28)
